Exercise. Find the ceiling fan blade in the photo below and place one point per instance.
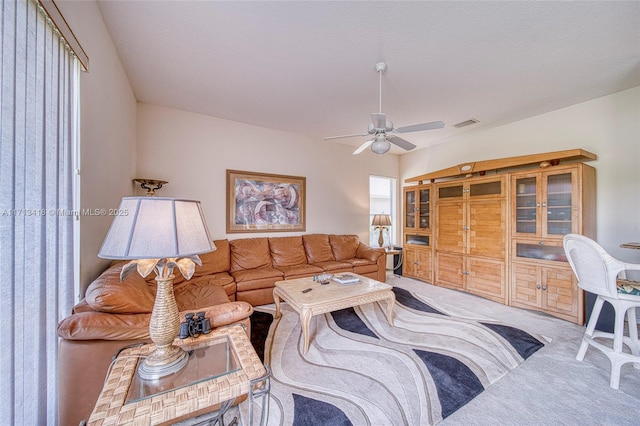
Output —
(420, 127)
(379, 120)
(401, 142)
(345, 136)
(362, 147)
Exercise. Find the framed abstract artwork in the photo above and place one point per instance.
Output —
(260, 202)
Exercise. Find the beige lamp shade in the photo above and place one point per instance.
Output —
(157, 228)
(381, 220)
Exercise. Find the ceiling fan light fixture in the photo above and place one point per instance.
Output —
(380, 145)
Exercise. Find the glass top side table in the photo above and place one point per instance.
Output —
(222, 366)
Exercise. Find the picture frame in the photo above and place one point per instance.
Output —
(263, 202)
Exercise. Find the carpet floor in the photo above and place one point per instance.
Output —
(436, 358)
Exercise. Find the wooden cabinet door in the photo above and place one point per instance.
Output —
(549, 289)
(560, 292)
(410, 208)
(449, 270)
(560, 202)
(424, 208)
(486, 278)
(423, 266)
(546, 204)
(526, 205)
(525, 285)
(487, 228)
(417, 263)
(451, 232)
(410, 262)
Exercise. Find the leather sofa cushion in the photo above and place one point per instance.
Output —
(256, 274)
(249, 253)
(81, 306)
(195, 295)
(287, 251)
(131, 296)
(221, 279)
(105, 326)
(215, 261)
(344, 246)
(365, 269)
(359, 262)
(300, 270)
(334, 265)
(317, 248)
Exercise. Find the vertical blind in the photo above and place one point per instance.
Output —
(38, 95)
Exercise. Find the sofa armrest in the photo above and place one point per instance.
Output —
(104, 326)
(369, 253)
(83, 363)
(227, 313)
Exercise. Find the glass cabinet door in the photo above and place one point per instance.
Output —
(558, 204)
(410, 209)
(526, 205)
(423, 209)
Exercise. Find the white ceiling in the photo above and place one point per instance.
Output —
(308, 67)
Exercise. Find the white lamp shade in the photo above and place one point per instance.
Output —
(157, 228)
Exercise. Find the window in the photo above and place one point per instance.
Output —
(382, 200)
(38, 129)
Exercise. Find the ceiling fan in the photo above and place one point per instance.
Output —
(382, 129)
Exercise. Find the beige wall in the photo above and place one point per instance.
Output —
(108, 123)
(122, 140)
(193, 152)
(608, 126)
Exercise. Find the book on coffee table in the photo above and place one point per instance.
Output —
(346, 279)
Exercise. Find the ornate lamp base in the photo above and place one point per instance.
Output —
(160, 363)
(380, 237)
(163, 329)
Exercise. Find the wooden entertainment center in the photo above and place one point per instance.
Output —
(494, 228)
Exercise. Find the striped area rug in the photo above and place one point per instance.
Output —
(361, 371)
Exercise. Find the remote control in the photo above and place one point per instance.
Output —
(306, 290)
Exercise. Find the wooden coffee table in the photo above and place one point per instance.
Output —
(330, 297)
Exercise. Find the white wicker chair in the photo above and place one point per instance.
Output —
(597, 272)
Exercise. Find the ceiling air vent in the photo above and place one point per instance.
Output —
(466, 123)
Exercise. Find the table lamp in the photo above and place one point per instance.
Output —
(381, 221)
(160, 234)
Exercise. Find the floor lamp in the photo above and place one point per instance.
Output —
(159, 234)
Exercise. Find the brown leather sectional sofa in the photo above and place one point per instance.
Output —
(238, 275)
(257, 263)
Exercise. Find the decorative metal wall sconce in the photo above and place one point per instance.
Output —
(151, 185)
